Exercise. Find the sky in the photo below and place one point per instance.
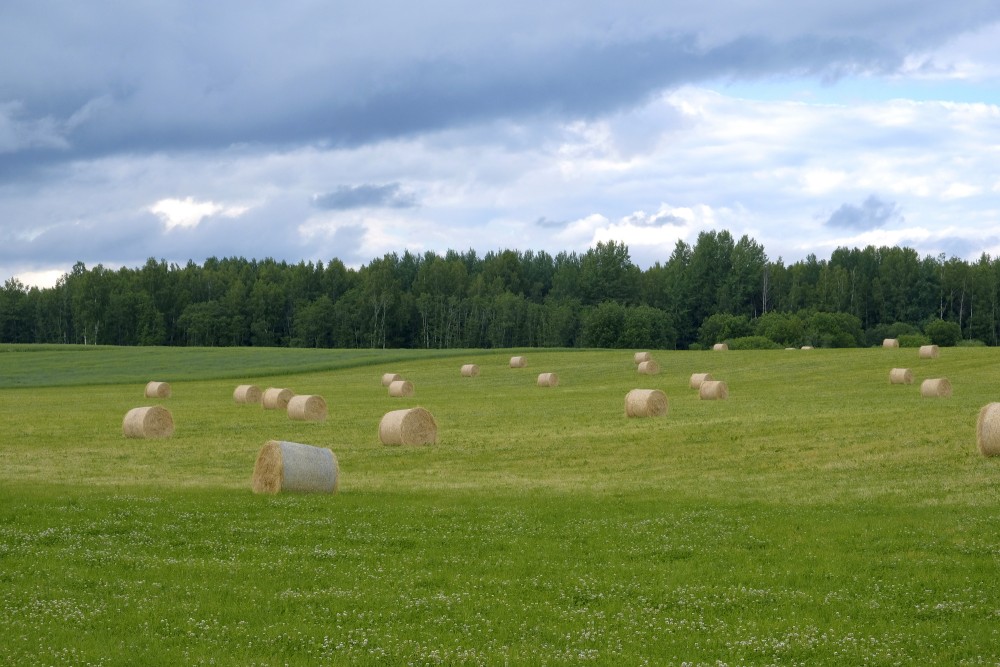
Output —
(312, 130)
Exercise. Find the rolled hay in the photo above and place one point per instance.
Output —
(307, 408)
(988, 430)
(275, 398)
(806, 347)
(719, 347)
(518, 362)
(713, 390)
(290, 466)
(548, 380)
(646, 403)
(649, 368)
(900, 376)
(697, 379)
(401, 389)
(389, 378)
(153, 421)
(890, 342)
(247, 394)
(935, 388)
(415, 426)
(157, 390)
(640, 357)
(470, 370)
(929, 352)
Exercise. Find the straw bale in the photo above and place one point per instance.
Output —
(929, 352)
(148, 422)
(275, 398)
(718, 347)
(988, 430)
(698, 378)
(157, 390)
(935, 388)
(307, 408)
(548, 380)
(389, 378)
(401, 389)
(649, 368)
(518, 362)
(713, 390)
(900, 376)
(640, 357)
(646, 403)
(415, 426)
(294, 467)
(890, 342)
(470, 370)
(806, 347)
(247, 394)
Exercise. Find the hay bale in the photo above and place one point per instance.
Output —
(988, 430)
(157, 390)
(719, 347)
(649, 368)
(389, 378)
(470, 370)
(646, 403)
(290, 466)
(890, 342)
(713, 390)
(518, 362)
(806, 347)
(900, 376)
(929, 352)
(401, 389)
(307, 408)
(640, 357)
(935, 388)
(247, 394)
(275, 398)
(548, 380)
(148, 422)
(415, 426)
(698, 378)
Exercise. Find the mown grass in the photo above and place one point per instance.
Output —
(818, 516)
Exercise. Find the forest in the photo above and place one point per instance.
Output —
(717, 289)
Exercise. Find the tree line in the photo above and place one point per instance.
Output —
(718, 288)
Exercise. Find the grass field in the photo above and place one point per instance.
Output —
(818, 516)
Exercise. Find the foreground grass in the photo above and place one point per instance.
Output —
(819, 516)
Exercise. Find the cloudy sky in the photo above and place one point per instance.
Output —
(310, 129)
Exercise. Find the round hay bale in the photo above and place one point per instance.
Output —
(401, 389)
(698, 378)
(988, 430)
(548, 380)
(890, 342)
(307, 408)
(713, 390)
(415, 426)
(929, 352)
(719, 347)
(649, 368)
(806, 347)
(290, 466)
(148, 422)
(640, 357)
(518, 362)
(389, 378)
(274, 398)
(247, 394)
(646, 403)
(935, 388)
(470, 370)
(900, 376)
(157, 390)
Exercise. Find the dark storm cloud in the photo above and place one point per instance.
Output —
(346, 197)
(871, 214)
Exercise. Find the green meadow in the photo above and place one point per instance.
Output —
(818, 516)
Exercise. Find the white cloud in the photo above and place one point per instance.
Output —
(189, 213)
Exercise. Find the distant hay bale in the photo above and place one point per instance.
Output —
(148, 422)
(548, 380)
(518, 362)
(307, 408)
(247, 394)
(698, 378)
(389, 378)
(929, 352)
(640, 357)
(806, 347)
(935, 388)
(401, 389)
(719, 347)
(290, 466)
(157, 390)
(988, 430)
(646, 403)
(649, 368)
(713, 390)
(470, 370)
(415, 426)
(900, 376)
(275, 398)
(890, 342)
